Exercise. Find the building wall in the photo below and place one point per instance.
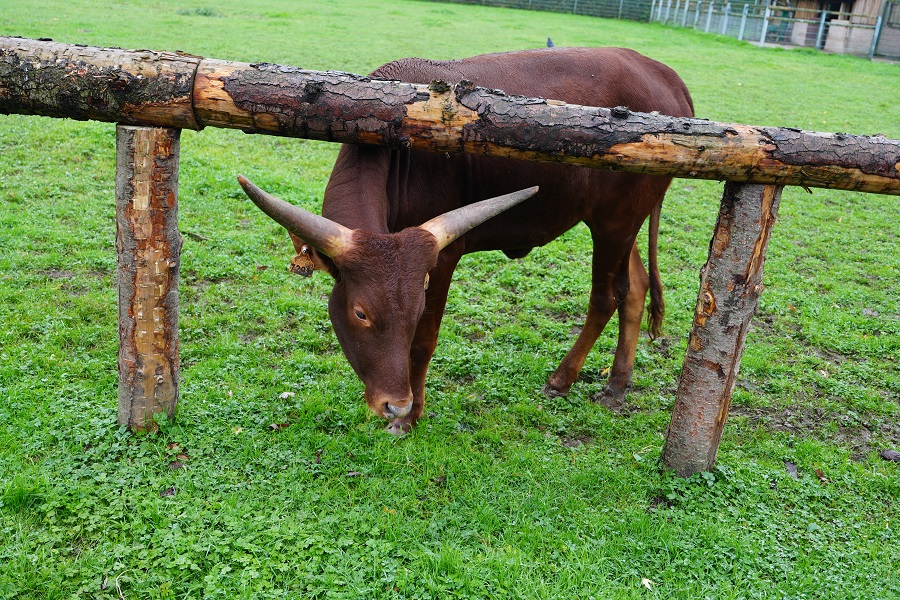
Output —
(868, 8)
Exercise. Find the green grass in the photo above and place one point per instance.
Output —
(499, 492)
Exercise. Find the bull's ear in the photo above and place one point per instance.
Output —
(309, 259)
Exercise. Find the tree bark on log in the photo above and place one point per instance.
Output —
(730, 284)
(148, 247)
(175, 90)
(135, 87)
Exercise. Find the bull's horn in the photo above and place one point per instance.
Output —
(328, 237)
(449, 226)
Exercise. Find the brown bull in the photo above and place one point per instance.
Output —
(396, 222)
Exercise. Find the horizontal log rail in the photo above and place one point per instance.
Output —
(181, 91)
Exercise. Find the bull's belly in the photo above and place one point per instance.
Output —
(515, 241)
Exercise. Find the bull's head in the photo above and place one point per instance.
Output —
(380, 282)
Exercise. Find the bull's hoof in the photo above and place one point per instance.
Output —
(398, 427)
(553, 392)
(611, 399)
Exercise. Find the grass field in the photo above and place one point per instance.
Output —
(499, 492)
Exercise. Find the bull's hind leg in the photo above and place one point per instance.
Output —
(631, 313)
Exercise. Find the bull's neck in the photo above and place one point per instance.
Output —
(385, 191)
(356, 195)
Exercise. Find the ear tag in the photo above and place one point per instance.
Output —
(427, 277)
(302, 264)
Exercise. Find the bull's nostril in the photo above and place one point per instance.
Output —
(391, 411)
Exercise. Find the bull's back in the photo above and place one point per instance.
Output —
(588, 76)
(436, 183)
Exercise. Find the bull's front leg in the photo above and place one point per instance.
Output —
(600, 309)
(425, 340)
(419, 359)
(610, 283)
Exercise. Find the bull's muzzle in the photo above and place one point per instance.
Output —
(389, 407)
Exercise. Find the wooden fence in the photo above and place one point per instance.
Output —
(153, 95)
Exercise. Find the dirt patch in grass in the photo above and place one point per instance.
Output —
(249, 336)
(664, 345)
(59, 274)
(192, 279)
(74, 284)
(558, 316)
(861, 434)
(575, 440)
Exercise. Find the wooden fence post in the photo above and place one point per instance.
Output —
(148, 249)
(730, 284)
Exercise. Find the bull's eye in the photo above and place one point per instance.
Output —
(361, 315)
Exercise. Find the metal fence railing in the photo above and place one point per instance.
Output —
(632, 10)
(887, 39)
(770, 22)
(761, 21)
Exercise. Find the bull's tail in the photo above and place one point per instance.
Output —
(657, 304)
